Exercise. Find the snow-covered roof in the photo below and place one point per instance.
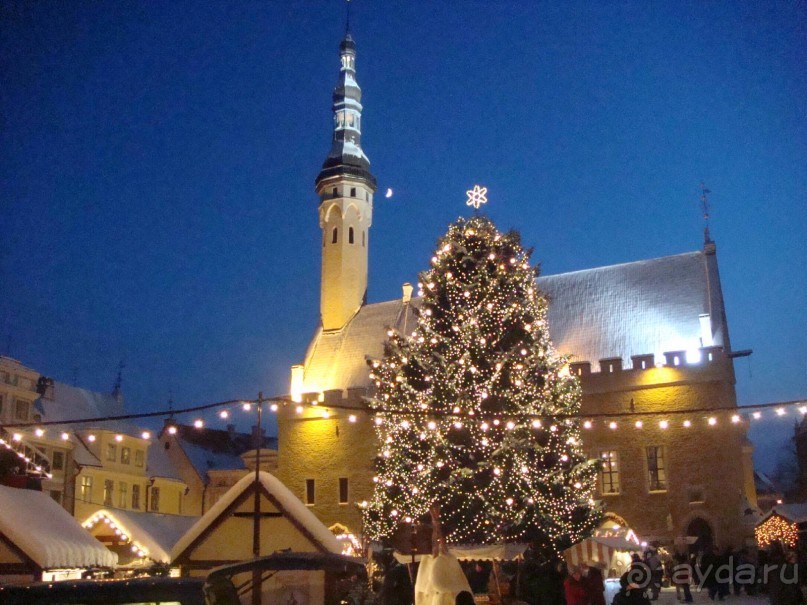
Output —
(71, 402)
(795, 512)
(216, 449)
(645, 307)
(159, 464)
(82, 454)
(204, 460)
(288, 504)
(47, 533)
(155, 532)
(764, 483)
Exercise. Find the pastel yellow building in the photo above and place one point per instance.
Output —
(127, 472)
(50, 457)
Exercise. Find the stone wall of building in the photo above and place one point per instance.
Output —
(707, 466)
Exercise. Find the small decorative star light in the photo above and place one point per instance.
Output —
(477, 196)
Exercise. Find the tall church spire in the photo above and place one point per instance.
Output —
(346, 155)
(345, 188)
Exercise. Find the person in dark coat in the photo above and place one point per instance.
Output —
(478, 578)
(594, 583)
(783, 581)
(633, 584)
(464, 598)
(682, 577)
(549, 584)
(397, 587)
(709, 562)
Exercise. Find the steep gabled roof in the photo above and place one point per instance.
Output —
(157, 533)
(47, 534)
(71, 402)
(289, 512)
(645, 307)
(216, 449)
(795, 512)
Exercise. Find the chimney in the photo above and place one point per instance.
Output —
(407, 292)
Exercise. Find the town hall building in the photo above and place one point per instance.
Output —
(645, 337)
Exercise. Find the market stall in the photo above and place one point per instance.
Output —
(610, 547)
(40, 540)
(494, 554)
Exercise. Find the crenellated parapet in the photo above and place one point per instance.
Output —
(674, 359)
(650, 370)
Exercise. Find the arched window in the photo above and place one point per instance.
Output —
(335, 237)
(350, 235)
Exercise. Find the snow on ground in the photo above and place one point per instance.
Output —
(667, 597)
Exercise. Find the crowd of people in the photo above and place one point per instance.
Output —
(773, 573)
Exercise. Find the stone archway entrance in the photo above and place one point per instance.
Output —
(700, 529)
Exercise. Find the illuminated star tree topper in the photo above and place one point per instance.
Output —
(477, 196)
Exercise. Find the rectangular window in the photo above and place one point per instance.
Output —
(86, 489)
(109, 489)
(21, 409)
(310, 491)
(352, 192)
(154, 502)
(139, 457)
(136, 496)
(656, 468)
(125, 455)
(343, 491)
(609, 473)
(57, 461)
(111, 452)
(123, 494)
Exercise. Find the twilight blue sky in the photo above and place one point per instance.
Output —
(158, 161)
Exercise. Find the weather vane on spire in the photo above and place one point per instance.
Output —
(707, 239)
(477, 196)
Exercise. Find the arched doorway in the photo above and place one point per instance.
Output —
(700, 529)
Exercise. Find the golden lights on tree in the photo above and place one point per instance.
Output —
(456, 403)
(774, 529)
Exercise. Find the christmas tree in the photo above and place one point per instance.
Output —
(475, 413)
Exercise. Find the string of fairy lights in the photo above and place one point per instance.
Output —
(316, 410)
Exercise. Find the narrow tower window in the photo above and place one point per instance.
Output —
(310, 491)
(335, 192)
(363, 242)
(352, 192)
(335, 235)
(350, 235)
